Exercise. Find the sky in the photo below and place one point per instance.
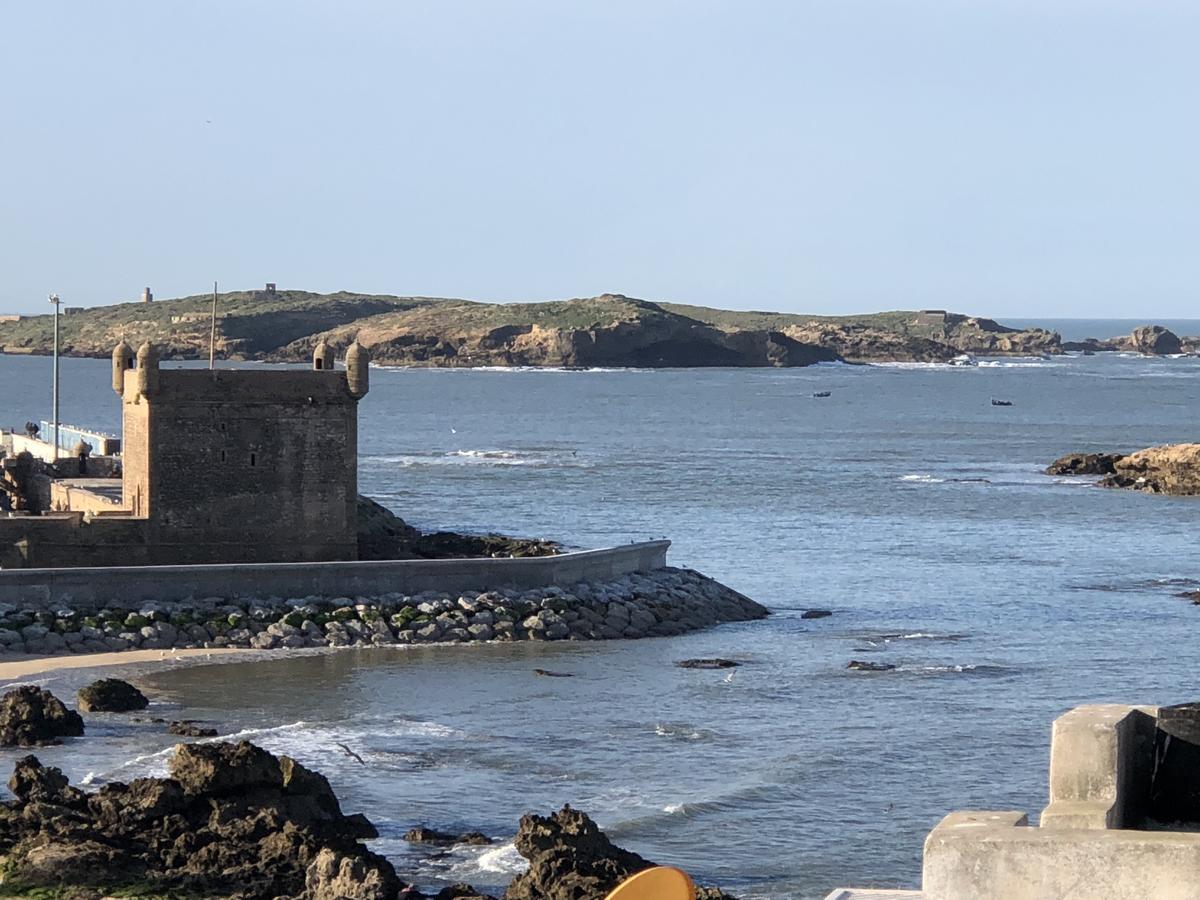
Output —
(995, 157)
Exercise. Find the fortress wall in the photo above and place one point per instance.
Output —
(27, 542)
(244, 466)
(91, 588)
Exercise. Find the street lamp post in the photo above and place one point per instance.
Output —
(54, 299)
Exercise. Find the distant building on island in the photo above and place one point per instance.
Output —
(147, 295)
(931, 317)
(219, 466)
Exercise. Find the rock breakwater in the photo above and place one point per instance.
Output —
(660, 603)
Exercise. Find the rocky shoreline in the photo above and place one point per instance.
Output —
(231, 820)
(1172, 469)
(661, 603)
(234, 821)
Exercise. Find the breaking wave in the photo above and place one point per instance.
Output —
(489, 458)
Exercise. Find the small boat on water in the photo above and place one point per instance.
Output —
(821, 393)
(996, 402)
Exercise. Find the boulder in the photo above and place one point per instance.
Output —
(1085, 464)
(188, 728)
(816, 614)
(31, 780)
(422, 835)
(110, 695)
(223, 769)
(863, 666)
(570, 858)
(31, 716)
(1154, 340)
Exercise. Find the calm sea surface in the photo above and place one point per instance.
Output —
(905, 502)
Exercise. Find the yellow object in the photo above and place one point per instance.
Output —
(659, 883)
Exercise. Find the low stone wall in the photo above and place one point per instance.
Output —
(128, 586)
(662, 602)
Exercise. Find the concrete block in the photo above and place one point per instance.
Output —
(970, 855)
(1101, 760)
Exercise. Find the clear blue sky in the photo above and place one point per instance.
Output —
(1000, 157)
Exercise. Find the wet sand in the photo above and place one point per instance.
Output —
(40, 665)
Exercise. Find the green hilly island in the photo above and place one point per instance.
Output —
(608, 330)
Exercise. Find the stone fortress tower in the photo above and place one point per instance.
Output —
(250, 465)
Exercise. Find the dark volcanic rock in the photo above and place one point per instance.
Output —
(816, 614)
(570, 858)
(30, 716)
(452, 545)
(221, 769)
(111, 695)
(461, 892)
(715, 663)
(384, 535)
(233, 822)
(188, 728)
(1085, 464)
(422, 835)
(863, 666)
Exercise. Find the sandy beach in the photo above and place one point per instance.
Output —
(39, 665)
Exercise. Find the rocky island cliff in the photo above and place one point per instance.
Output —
(608, 330)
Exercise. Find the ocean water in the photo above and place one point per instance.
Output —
(904, 502)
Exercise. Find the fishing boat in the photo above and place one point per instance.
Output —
(821, 393)
(996, 402)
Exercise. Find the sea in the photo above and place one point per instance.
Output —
(904, 502)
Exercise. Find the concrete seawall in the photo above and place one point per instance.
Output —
(128, 586)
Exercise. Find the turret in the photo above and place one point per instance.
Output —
(122, 362)
(323, 357)
(147, 370)
(358, 370)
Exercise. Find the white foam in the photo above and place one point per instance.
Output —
(485, 457)
(503, 859)
(680, 731)
(922, 479)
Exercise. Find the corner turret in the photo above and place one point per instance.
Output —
(358, 370)
(122, 362)
(147, 370)
(323, 357)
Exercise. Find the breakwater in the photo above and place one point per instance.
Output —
(97, 588)
(661, 602)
